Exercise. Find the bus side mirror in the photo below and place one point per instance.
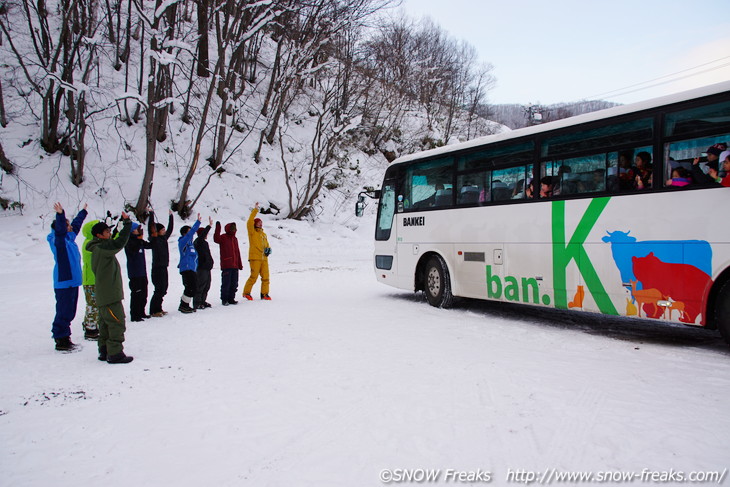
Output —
(360, 206)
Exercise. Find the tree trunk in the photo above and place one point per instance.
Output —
(5, 163)
(3, 117)
(181, 206)
(203, 61)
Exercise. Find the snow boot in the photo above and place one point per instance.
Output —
(102, 354)
(248, 296)
(266, 297)
(66, 345)
(119, 358)
(91, 335)
(185, 308)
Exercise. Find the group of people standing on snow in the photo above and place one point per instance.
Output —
(97, 269)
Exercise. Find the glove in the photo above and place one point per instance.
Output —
(267, 251)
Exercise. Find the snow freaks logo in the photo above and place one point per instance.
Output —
(527, 290)
(422, 475)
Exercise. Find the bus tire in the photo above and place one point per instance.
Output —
(437, 283)
(722, 311)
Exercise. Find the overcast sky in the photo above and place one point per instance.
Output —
(569, 50)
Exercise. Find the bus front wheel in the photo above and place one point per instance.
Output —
(437, 285)
(722, 315)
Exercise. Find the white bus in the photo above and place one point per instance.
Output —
(621, 212)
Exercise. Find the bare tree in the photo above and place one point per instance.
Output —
(51, 72)
(236, 25)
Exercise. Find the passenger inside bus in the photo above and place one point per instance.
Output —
(725, 160)
(469, 194)
(598, 180)
(530, 189)
(627, 171)
(644, 170)
(712, 177)
(680, 177)
(442, 196)
(546, 187)
(500, 191)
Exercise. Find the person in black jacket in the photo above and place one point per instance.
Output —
(205, 264)
(137, 272)
(160, 260)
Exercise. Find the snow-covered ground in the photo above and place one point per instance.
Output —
(340, 381)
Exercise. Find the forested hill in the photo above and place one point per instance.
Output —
(517, 116)
(182, 104)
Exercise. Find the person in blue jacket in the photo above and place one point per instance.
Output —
(188, 265)
(66, 274)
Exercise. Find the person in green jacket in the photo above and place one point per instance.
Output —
(88, 281)
(110, 289)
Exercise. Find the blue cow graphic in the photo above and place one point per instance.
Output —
(697, 253)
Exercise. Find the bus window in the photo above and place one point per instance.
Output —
(707, 119)
(634, 131)
(385, 211)
(504, 182)
(500, 156)
(585, 174)
(428, 185)
(525, 175)
(681, 155)
(470, 187)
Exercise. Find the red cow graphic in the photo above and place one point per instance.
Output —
(681, 282)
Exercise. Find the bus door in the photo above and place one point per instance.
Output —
(385, 237)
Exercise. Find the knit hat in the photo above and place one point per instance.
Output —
(99, 228)
(135, 226)
(724, 156)
(201, 231)
(717, 149)
(257, 221)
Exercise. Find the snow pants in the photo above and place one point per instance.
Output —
(189, 279)
(111, 328)
(91, 316)
(258, 268)
(229, 285)
(66, 301)
(160, 281)
(202, 280)
(137, 298)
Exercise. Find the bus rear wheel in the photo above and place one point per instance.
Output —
(437, 284)
(722, 311)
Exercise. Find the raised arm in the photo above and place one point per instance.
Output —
(170, 224)
(151, 227)
(79, 220)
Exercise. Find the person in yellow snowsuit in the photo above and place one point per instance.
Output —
(258, 256)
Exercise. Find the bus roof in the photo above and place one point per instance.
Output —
(567, 122)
